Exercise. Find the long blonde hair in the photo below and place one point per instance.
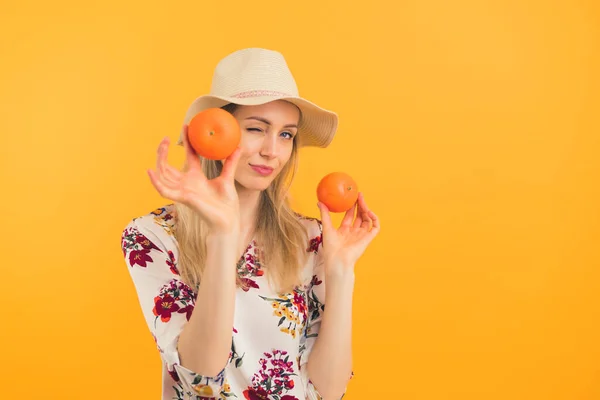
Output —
(276, 225)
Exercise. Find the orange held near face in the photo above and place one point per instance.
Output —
(338, 191)
(214, 133)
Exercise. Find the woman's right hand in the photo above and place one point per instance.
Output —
(216, 200)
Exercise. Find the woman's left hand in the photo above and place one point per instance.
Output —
(342, 247)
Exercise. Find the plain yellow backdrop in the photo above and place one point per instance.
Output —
(472, 127)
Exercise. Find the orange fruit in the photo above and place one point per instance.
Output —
(338, 191)
(214, 133)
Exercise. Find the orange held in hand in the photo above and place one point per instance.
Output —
(338, 192)
(214, 133)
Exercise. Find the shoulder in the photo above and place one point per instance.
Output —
(156, 226)
(314, 230)
(312, 224)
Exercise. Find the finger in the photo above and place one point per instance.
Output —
(325, 217)
(161, 153)
(349, 216)
(361, 213)
(231, 163)
(166, 190)
(191, 157)
(376, 225)
(365, 213)
(366, 221)
(358, 221)
(159, 180)
(172, 174)
(167, 171)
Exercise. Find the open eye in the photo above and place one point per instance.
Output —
(289, 135)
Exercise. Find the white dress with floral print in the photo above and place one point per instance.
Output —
(273, 333)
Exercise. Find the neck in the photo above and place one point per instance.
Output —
(249, 203)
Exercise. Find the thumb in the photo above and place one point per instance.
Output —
(231, 163)
(192, 158)
(325, 217)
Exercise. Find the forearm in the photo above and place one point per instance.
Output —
(205, 342)
(330, 362)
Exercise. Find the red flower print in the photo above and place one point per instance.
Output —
(249, 266)
(171, 263)
(138, 246)
(314, 243)
(256, 394)
(145, 242)
(250, 257)
(316, 280)
(164, 306)
(187, 310)
(174, 297)
(249, 283)
(299, 302)
(140, 257)
(174, 375)
(274, 377)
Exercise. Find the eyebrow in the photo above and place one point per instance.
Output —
(269, 123)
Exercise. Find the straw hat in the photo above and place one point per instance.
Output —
(256, 76)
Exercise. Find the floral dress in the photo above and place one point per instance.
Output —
(273, 333)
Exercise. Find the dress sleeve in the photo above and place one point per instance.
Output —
(316, 305)
(166, 301)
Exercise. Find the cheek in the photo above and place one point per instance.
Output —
(249, 148)
(286, 154)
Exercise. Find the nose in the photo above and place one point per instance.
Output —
(269, 146)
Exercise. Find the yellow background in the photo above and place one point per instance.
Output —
(471, 126)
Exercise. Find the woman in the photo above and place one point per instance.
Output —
(231, 281)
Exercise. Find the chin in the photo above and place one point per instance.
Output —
(257, 184)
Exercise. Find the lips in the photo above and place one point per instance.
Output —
(262, 169)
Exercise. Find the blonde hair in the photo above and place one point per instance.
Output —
(276, 224)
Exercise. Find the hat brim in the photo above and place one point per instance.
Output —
(317, 125)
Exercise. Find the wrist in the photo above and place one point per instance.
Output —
(339, 287)
(223, 244)
(341, 274)
(223, 236)
(230, 234)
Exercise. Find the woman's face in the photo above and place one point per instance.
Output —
(268, 132)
